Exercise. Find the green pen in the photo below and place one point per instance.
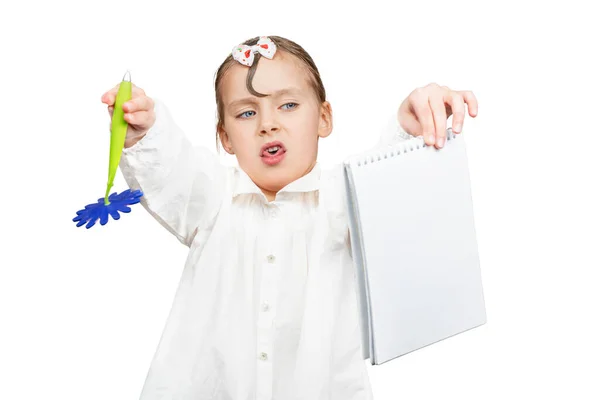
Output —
(118, 131)
(115, 203)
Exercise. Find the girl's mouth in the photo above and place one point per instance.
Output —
(273, 154)
(271, 151)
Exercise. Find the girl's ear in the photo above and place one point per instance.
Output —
(325, 120)
(225, 141)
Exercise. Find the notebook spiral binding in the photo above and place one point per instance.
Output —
(395, 149)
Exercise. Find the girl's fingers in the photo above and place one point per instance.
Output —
(140, 119)
(134, 105)
(110, 96)
(407, 120)
(420, 105)
(457, 105)
(142, 103)
(471, 101)
(426, 111)
(438, 109)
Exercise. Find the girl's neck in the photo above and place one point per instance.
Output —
(269, 195)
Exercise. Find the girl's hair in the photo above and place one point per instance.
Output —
(282, 44)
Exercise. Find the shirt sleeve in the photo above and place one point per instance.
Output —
(182, 184)
(393, 133)
(349, 379)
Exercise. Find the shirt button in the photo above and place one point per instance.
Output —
(263, 356)
(271, 258)
(265, 306)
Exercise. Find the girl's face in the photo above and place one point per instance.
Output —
(289, 118)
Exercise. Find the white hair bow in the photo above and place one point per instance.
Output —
(245, 54)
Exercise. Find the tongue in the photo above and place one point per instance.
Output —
(267, 154)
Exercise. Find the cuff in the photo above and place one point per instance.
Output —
(393, 133)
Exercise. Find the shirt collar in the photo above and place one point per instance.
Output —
(307, 183)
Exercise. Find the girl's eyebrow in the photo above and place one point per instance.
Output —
(278, 93)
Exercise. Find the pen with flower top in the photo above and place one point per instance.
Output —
(115, 203)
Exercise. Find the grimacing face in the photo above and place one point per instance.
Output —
(290, 115)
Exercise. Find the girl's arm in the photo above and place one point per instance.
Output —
(182, 183)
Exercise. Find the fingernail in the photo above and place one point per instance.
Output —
(458, 128)
(440, 142)
(431, 139)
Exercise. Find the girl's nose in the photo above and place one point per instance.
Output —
(269, 126)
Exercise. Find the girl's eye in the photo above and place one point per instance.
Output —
(241, 115)
(244, 114)
(288, 104)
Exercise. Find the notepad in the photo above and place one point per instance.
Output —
(414, 245)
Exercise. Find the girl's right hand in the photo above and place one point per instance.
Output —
(139, 113)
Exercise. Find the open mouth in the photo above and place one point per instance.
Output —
(272, 149)
(273, 153)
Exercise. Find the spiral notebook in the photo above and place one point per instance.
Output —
(414, 245)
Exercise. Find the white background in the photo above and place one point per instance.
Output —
(81, 311)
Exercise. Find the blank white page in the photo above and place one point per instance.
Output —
(414, 245)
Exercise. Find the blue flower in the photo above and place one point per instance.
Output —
(118, 203)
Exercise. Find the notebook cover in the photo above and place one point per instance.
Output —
(414, 245)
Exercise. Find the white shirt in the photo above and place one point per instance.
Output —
(266, 307)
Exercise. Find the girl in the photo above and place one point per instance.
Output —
(266, 307)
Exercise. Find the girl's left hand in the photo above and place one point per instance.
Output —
(426, 109)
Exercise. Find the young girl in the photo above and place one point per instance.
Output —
(266, 307)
